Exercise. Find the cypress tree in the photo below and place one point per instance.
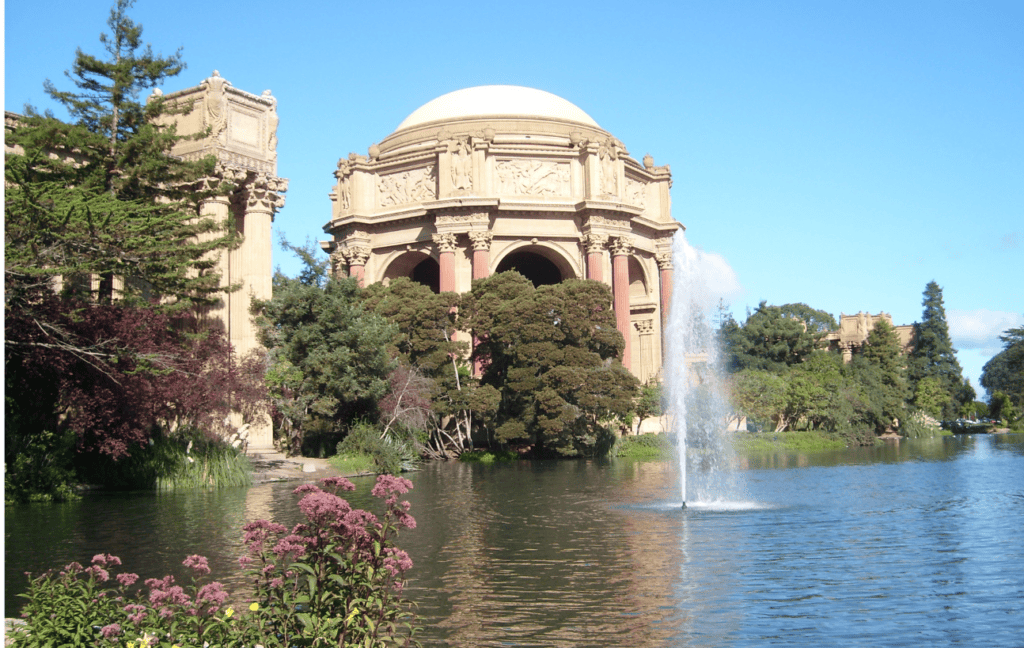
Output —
(933, 355)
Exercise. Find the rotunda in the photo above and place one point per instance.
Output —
(496, 178)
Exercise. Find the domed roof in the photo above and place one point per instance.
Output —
(496, 101)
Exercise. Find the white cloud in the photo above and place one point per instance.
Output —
(980, 329)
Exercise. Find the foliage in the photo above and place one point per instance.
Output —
(41, 471)
(794, 441)
(1005, 371)
(549, 353)
(425, 342)
(189, 460)
(883, 352)
(916, 425)
(650, 402)
(328, 358)
(489, 456)
(126, 372)
(930, 396)
(103, 196)
(644, 447)
(818, 322)
(772, 338)
(335, 580)
(934, 355)
(1002, 408)
(353, 463)
(391, 454)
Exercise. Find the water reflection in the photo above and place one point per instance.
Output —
(918, 542)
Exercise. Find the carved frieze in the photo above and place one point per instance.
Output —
(533, 178)
(445, 242)
(414, 185)
(609, 222)
(636, 193)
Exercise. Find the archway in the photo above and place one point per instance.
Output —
(535, 263)
(417, 266)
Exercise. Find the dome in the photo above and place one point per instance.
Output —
(496, 101)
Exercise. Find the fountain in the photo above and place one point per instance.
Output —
(698, 410)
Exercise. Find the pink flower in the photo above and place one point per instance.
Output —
(197, 563)
(127, 580)
(397, 561)
(323, 508)
(389, 485)
(338, 483)
(245, 561)
(110, 631)
(256, 533)
(291, 544)
(307, 488)
(102, 575)
(105, 560)
(213, 593)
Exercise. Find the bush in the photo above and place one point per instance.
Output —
(489, 456)
(189, 460)
(38, 468)
(644, 446)
(335, 580)
(353, 464)
(390, 454)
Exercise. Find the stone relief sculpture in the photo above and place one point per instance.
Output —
(272, 122)
(215, 116)
(533, 178)
(608, 154)
(636, 192)
(462, 165)
(407, 186)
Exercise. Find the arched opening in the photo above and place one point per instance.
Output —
(540, 270)
(418, 267)
(637, 280)
(428, 273)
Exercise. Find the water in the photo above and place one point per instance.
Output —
(916, 544)
(693, 381)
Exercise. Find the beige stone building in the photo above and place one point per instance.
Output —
(493, 178)
(853, 332)
(241, 133)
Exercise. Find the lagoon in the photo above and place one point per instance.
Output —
(911, 544)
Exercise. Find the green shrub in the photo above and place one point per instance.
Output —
(644, 446)
(39, 469)
(189, 460)
(489, 456)
(353, 464)
(391, 455)
(802, 441)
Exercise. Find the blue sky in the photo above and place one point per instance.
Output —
(840, 154)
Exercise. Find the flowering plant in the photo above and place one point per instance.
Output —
(335, 580)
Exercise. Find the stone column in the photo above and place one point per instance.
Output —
(357, 256)
(664, 260)
(646, 330)
(622, 248)
(595, 244)
(481, 242)
(446, 244)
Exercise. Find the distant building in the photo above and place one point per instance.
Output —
(854, 329)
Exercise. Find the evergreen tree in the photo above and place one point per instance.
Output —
(882, 351)
(1005, 371)
(770, 339)
(102, 196)
(933, 355)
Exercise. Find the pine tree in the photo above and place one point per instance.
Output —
(102, 196)
(933, 355)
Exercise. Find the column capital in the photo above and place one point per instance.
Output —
(356, 254)
(622, 246)
(263, 193)
(595, 243)
(664, 260)
(445, 242)
(481, 240)
(644, 327)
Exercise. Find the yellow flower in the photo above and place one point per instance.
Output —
(254, 606)
(229, 612)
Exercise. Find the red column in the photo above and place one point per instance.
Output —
(595, 255)
(357, 257)
(621, 249)
(481, 254)
(446, 259)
